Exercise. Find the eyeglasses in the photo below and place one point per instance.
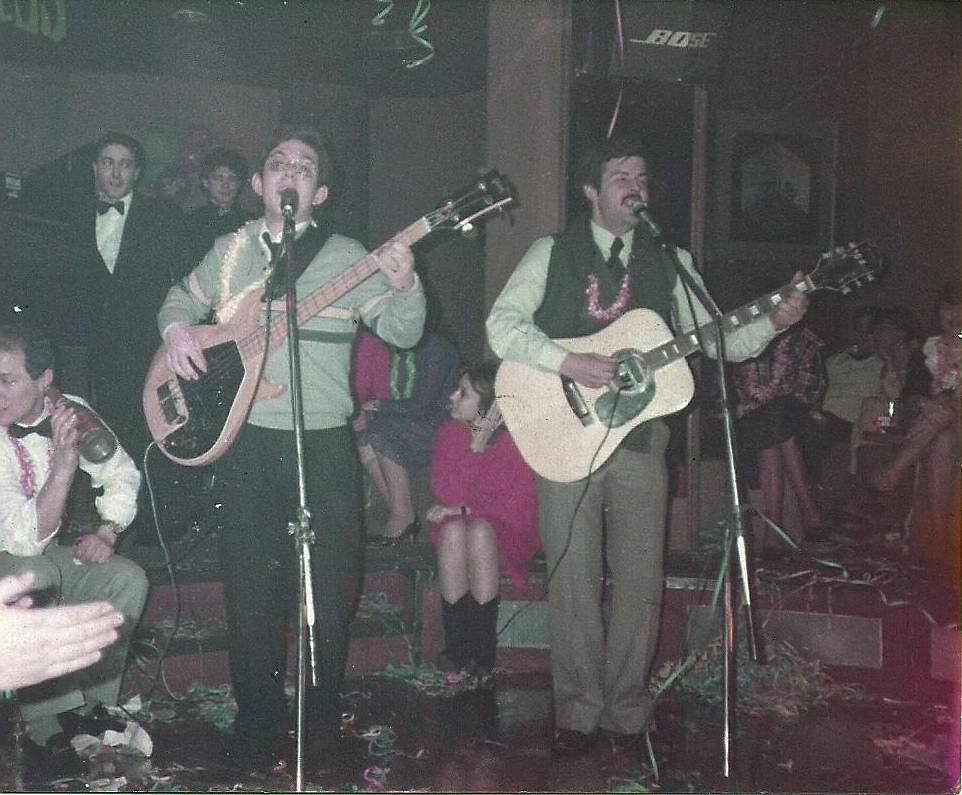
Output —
(298, 169)
(109, 162)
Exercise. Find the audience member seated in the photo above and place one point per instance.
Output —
(39, 459)
(876, 434)
(852, 375)
(402, 397)
(924, 448)
(776, 393)
(222, 174)
(485, 522)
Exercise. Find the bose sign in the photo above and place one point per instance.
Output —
(676, 40)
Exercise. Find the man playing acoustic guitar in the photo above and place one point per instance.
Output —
(256, 482)
(569, 285)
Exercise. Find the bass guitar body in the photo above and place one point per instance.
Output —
(195, 421)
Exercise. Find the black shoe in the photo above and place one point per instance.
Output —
(95, 722)
(409, 533)
(455, 619)
(260, 756)
(56, 759)
(483, 673)
(324, 750)
(448, 664)
(571, 743)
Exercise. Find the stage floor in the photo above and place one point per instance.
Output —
(403, 738)
(884, 719)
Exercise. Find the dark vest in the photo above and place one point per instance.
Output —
(564, 310)
(574, 257)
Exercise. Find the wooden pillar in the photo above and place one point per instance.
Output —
(529, 75)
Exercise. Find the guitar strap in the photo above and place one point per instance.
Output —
(304, 250)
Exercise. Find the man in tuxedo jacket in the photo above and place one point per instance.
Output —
(133, 250)
(136, 252)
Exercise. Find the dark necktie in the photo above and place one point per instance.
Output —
(20, 431)
(274, 247)
(103, 206)
(614, 260)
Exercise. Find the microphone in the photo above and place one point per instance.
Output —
(640, 211)
(97, 442)
(288, 202)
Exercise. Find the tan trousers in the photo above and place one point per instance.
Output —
(118, 581)
(599, 673)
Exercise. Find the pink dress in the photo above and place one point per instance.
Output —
(496, 485)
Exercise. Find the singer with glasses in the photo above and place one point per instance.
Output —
(572, 285)
(41, 453)
(256, 484)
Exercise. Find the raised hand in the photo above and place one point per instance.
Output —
(40, 644)
(396, 262)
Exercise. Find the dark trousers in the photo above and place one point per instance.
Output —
(255, 498)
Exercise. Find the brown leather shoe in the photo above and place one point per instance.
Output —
(571, 743)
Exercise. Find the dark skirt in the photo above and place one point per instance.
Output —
(765, 427)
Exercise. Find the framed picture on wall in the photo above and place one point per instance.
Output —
(772, 188)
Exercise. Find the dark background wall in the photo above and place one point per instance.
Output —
(890, 87)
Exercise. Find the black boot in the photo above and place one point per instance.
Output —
(457, 627)
(484, 635)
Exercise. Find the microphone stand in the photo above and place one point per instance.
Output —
(301, 528)
(734, 528)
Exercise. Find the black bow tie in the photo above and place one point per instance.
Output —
(20, 431)
(103, 206)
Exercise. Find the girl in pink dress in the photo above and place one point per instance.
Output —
(484, 524)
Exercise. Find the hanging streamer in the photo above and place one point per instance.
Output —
(416, 29)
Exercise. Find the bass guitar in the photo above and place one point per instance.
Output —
(565, 431)
(195, 422)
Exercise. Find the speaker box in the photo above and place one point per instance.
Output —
(680, 41)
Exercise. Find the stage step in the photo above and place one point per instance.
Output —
(386, 628)
(896, 650)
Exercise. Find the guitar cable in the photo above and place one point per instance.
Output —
(591, 472)
(571, 524)
(169, 561)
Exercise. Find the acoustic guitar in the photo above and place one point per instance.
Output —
(565, 431)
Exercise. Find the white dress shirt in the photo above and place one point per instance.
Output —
(110, 232)
(117, 475)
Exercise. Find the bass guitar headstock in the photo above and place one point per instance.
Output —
(490, 193)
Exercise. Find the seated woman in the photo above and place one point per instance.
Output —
(485, 522)
(928, 442)
(402, 396)
(777, 392)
